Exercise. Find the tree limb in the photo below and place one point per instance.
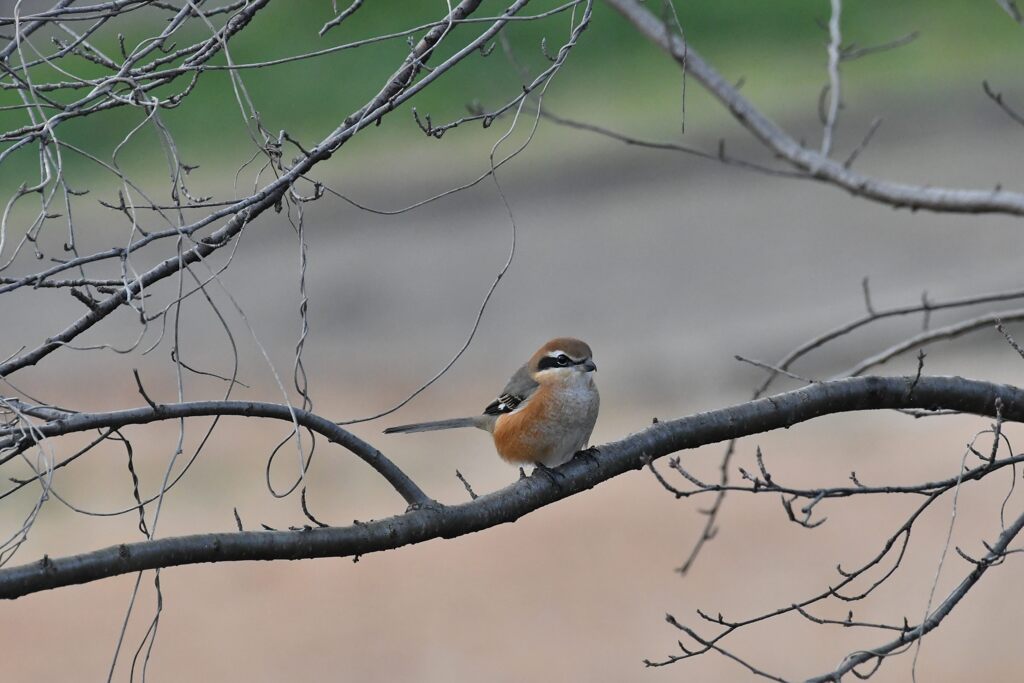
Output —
(811, 162)
(427, 522)
(68, 423)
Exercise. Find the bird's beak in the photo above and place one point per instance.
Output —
(589, 366)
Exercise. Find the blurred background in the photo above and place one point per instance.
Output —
(668, 265)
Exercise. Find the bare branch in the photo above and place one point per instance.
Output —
(68, 423)
(835, 38)
(872, 316)
(1010, 7)
(810, 162)
(940, 333)
(997, 97)
(996, 552)
(852, 52)
(336, 21)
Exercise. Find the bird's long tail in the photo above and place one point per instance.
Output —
(454, 423)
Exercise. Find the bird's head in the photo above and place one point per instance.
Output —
(560, 358)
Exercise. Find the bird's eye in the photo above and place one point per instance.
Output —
(563, 359)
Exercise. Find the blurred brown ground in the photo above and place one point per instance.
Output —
(668, 267)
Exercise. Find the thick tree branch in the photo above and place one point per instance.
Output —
(509, 504)
(811, 162)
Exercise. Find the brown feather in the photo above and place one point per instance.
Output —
(519, 436)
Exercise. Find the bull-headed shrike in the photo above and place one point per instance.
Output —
(546, 412)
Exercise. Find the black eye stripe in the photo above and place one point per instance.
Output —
(558, 361)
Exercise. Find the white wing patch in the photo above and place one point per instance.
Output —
(505, 403)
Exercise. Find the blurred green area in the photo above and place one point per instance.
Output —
(614, 74)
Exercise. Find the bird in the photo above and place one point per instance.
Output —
(545, 414)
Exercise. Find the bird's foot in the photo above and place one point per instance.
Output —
(588, 454)
(550, 474)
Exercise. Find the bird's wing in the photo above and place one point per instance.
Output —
(518, 389)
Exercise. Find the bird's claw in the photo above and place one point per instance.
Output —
(549, 473)
(588, 454)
